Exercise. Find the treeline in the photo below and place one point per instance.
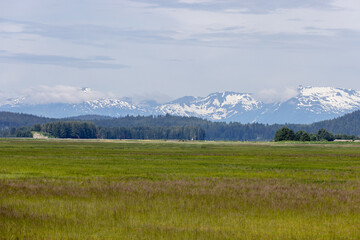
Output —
(149, 121)
(287, 134)
(16, 132)
(159, 127)
(348, 124)
(10, 120)
(175, 127)
(87, 130)
(206, 131)
(183, 132)
(62, 129)
(213, 130)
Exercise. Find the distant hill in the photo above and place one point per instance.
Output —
(15, 120)
(348, 124)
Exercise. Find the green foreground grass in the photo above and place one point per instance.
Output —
(52, 189)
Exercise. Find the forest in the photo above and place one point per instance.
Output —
(163, 127)
(86, 130)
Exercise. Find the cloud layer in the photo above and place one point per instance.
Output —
(73, 62)
(272, 95)
(55, 94)
(68, 94)
(179, 47)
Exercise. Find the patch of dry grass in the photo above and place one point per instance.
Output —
(178, 209)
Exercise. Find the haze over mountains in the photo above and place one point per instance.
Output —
(310, 105)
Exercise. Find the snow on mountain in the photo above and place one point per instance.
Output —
(104, 106)
(109, 103)
(105, 103)
(86, 90)
(313, 104)
(216, 106)
(12, 102)
(109, 107)
(310, 105)
(328, 99)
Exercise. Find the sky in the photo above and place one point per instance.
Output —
(165, 49)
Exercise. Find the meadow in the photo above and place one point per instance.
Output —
(98, 189)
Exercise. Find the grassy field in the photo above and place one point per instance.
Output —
(52, 189)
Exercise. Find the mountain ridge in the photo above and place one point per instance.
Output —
(310, 105)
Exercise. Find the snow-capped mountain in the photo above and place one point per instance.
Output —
(310, 105)
(313, 104)
(114, 107)
(216, 106)
(327, 99)
(106, 107)
(109, 106)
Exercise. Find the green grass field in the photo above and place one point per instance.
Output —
(53, 189)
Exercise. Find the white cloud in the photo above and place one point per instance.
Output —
(195, 23)
(218, 42)
(4, 96)
(236, 10)
(347, 4)
(195, 1)
(188, 23)
(59, 93)
(7, 27)
(272, 95)
(156, 96)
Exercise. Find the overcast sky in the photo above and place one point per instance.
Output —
(164, 49)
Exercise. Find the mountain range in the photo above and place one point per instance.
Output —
(310, 105)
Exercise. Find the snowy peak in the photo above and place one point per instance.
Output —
(109, 107)
(86, 90)
(231, 99)
(311, 104)
(110, 103)
(12, 102)
(46, 95)
(215, 106)
(328, 99)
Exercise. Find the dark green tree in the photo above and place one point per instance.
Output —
(298, 135)
(71, 129)
(284, 134)
(24, 132)
(324, 135)
(305, 137)
(312, 137)
(37, 128)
